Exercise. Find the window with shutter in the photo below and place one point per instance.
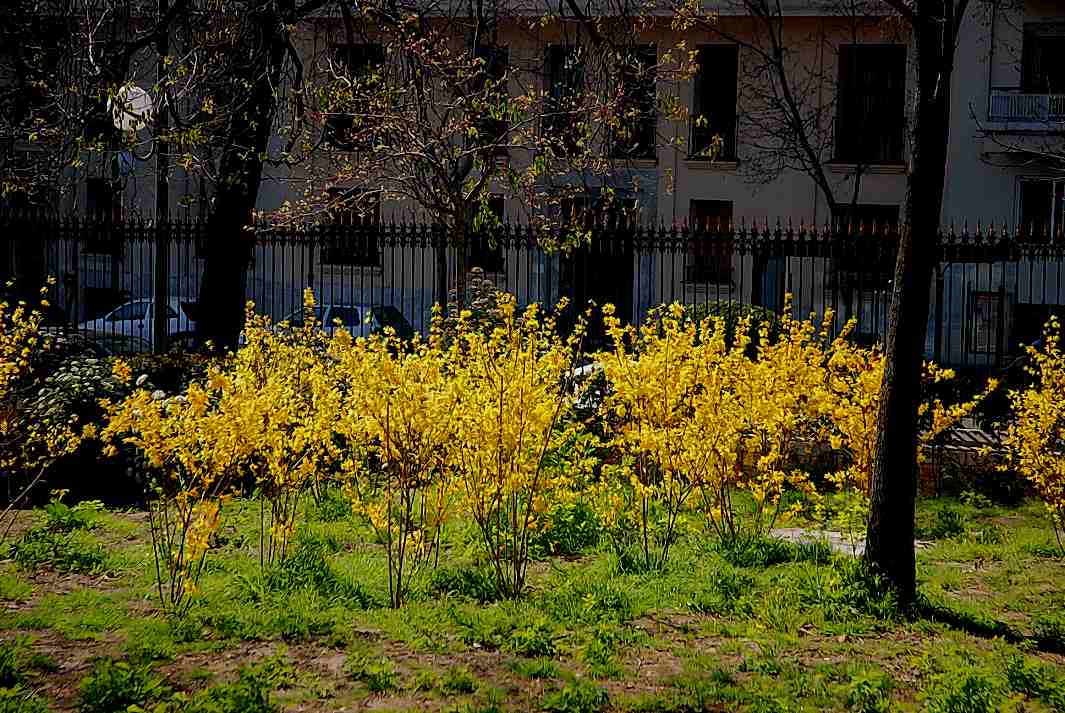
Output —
(871, 104)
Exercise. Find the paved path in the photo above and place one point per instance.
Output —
(836, 540)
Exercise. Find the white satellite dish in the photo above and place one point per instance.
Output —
(131, 108)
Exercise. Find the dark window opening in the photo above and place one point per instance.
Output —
(708, 258)
(1043, 59)
(492, 129)
(1042, 209)
(714, 102)
(485, 250)
(103, 211)
(871, 104)
(353, 238)
(350, 127)
(863, 264)
(564, 71)
(637, 133)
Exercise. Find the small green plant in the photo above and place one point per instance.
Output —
(377, 674)
(577, 697)
(975, 499)
(250, 693)
(947, 523)
(1036, 681)
(458, 680)
(116, 685)
(423, 682)
(568, 530)
(965, 691)
(62, 551)
(60, 517)
(724, 593)
(10, 663)
(331, 506)
(536, 639)
(869, 693)
(476, 583)
(17, 699)
(1049, 632)
(535, 668)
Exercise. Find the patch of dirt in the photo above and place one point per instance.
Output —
(74, 660)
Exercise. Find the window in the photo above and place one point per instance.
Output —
(592, 210)
(862, 265)
(485, 250)
(709, 255)
(129, 312)
(1042, 209)
(1043, 58)
(103, 208)
(564, 70)
(350, 128)
(493, 131)
(987, 321)
(636, 137)
(714, 101)
(871, 104)
(353, 239)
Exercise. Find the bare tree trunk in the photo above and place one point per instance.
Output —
(223, 286)
(889, 537)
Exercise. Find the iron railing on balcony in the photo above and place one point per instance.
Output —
(1019, 106)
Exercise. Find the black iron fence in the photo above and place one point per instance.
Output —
(992, 290)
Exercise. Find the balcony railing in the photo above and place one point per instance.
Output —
(1015, 105)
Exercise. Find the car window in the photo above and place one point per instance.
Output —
(133, 310)
(348, 316)
(170, 313)
(389, 316)
(295, 319)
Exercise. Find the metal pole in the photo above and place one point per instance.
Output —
(160, 321)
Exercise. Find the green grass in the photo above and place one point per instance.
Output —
(775, 627)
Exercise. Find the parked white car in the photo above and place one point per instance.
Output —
(136, 318)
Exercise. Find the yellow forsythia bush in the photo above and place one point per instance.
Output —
(704, 426)
(1036, 434)
(28, 445)
(263, 417)
(397, 418)
(512, 388)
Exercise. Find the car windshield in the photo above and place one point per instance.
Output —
(389, 316)
(296, 318)
(348, 316)
(133, 310)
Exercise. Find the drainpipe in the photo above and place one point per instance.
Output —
(991, 54)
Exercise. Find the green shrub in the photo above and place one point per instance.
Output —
(60, 517)
(377, 674)
(577, 697)
(567, 530)
(10, 663)
(1049, 632)
(62, 551)
(306, 568)
(536, 639)
(535, 668)
(946, 524)
(458, 680)
(116, 685)
(869, 693)
(966, 691)
(1035, 680)
(476, 583)
(17, 699)
(724, 593)
(331, 506)
(423, 682)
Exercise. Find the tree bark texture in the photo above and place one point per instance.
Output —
(223, 285)
(893, 488)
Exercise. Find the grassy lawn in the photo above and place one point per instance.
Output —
(780, 628)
